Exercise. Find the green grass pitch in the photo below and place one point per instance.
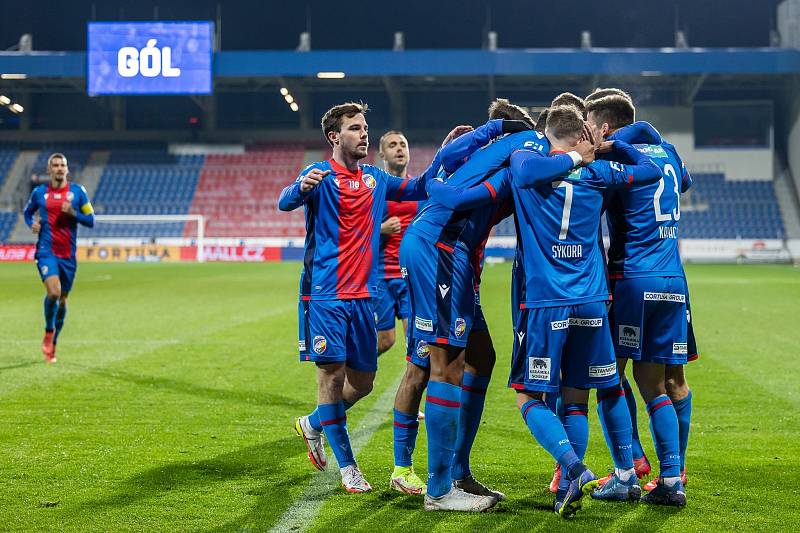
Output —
(172, 403)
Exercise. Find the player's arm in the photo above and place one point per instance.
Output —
(495, 189)
(531, 169)
(85, 212)
(641, 132)
(642, 170)
(30, 209)
(296, 194)
(454, 153)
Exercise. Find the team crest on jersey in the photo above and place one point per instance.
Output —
(46, 195)
(422, 349)
(403, 272)
(369, 181)
(628, 336)
(538, 368)
(320, 344)
(461, 326)
(70, 196)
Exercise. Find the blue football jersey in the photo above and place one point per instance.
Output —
(558, 224)
(643, 220)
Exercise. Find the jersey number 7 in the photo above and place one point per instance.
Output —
(567, 207)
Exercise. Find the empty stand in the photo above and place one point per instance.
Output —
(7, 221)
(7, 158)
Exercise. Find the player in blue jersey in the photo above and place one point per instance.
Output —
(392, 300)
(650, 297)
(344, 202)
(562, 334)
(53, 212)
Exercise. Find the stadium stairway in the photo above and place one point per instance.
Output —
(787, 200)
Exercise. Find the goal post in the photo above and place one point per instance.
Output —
(197, 241)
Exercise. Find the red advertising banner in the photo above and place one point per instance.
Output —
(18, 252)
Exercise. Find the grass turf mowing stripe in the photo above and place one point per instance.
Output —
(305, 508)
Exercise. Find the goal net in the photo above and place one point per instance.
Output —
(144, 238)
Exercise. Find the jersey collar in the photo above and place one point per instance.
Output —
(339, 169)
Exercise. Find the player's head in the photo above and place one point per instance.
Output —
(610, 113)
(393, 149)
(541, 120)
(345, 128)
(57, 167)
(570, 99)
(503, 109)
(564, 126)
(607, 91)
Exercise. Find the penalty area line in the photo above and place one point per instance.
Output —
(300, 515)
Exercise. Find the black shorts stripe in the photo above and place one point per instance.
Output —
(444, 292)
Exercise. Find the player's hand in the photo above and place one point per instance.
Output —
(585, 149)
(457, 132)
(605, 147)
(312, 179)
(589, 134)
(67, 208)
(36, 226)
(390, 226)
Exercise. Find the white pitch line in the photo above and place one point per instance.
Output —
(306, 507)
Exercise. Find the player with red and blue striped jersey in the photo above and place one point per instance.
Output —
(344, 202)
(650, 295)
(391, 302)
(53, 212)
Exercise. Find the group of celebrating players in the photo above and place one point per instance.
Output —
(373, 254)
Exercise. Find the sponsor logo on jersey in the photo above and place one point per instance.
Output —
(619, 167)
(422, 349)
(320, 344)
(533, 146)
(444, 289)
(538, 368)
(580, 322)
(628, 336)
(559, 324)
(403, 272)
(651, 150)
(369, 181)
(679, 348)
(664, 297)
(603, 371)
(461, 326)
(423, 324)
(301, 345)
(57, 196)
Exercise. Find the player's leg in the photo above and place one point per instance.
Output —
(384, 316)
(479, 361)
(681, 396)
(48, 269)
(406, 423)
(66, 275)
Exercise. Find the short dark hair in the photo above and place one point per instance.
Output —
(503, 109)
(564, 121)
(569, 99)
(332, 119)
(615, 110)
(608, 91)
(541, 120)
(390, 132)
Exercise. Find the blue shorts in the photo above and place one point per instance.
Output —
(390, 303)
(650, 320)
(441, 291)
(417, 349)
(339, 331)
(50, 265)
(569, 346)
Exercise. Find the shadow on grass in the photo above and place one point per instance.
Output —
(260, 398)
(20, 365)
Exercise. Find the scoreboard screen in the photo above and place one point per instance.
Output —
(149, 57)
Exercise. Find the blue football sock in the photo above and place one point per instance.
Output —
(550, 434)
(442, 406)
(50, 310)
(61, 314)
(576, 424)
(616, 425)
(473, 396)
(683, 409)
(334, 423)
(664, 427)
(630, 399)
(406, 427)
(313, 417)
